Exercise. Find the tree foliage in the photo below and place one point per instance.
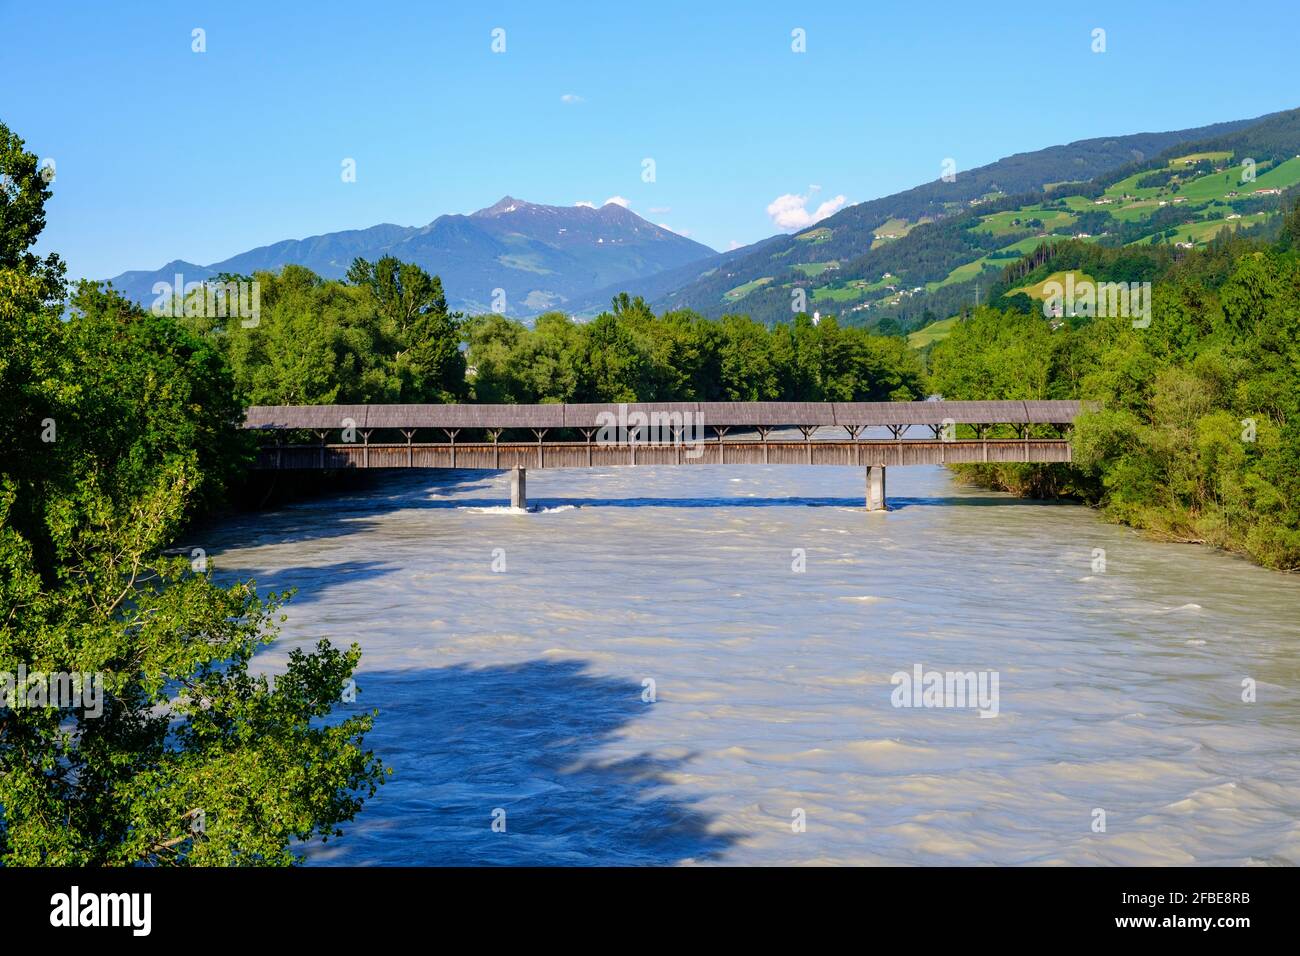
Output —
(629, 354)
(1197, 437)
(120, 425)
(24, 190)
(384, 336)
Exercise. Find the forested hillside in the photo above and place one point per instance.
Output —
(1197, 437)
(907, 260)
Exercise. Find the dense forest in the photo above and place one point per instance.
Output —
(1198, 434)
(384, 335)
(629, 354)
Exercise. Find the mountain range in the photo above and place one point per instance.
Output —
(514, 256)
(917, 253)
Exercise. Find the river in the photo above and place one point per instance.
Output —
(646, 677)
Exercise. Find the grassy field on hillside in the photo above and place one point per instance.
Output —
(815, 236)
(932, 332)
(1035, 291)
(970, 270)
(740, 291)
(1185, 199)
(814, 269)
(893, 229)
(1014, 220)
(1202, 232)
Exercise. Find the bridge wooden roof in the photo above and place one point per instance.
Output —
(726, 414)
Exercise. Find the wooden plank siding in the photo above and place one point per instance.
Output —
(503, 455)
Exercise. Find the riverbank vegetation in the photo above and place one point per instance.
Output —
(1198, 435)
(120, 426)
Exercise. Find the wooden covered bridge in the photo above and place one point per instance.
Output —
(872, 435)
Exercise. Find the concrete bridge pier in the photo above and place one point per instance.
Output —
(519, 488)
(876, 488)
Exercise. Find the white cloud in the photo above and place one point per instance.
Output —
(587, 203)
(618, 201)
(571, 98)
(661, 209)
(680, 232)
(733, 244)
(790, 212)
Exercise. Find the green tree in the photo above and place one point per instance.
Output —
(750, 370)
(119, 425)
(24, 190)
(492, 340)
(612, 367)
(421, 335)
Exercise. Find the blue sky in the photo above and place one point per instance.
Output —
(164, 153)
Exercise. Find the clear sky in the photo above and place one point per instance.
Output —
(164, 153)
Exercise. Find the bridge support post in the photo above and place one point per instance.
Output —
(519, 488)
(876, 488)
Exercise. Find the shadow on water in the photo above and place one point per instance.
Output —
(901, 502)
(342, 513)
(313, 582)
(466, 741)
